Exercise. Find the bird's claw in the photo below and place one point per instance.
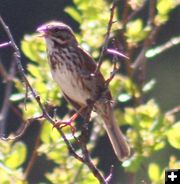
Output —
(62, 124)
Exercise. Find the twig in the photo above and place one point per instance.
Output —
(131, 178)
(161, 48)
(125, 12)
(109, 177)
(152, 7)
(140, 58)
(86, 155)
(3, 72)
(104, 47)
(135, 12)
(173, 111)
(116, 53)
(77, 174)
(34, 155)
(87, 158)
(149, 40)
(5, 105)
(19, 133)
(6, 44)
(112, 74)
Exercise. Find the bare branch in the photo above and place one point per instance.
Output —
(147, 43)
(86, 155)
(135, 12)
(115, 52)
(125, 13)
(173, 111)
(150, 39)
(113, 73)
(3, 72)
(34, 155)
(6, 44)
(5, 106)
(161, 48)
(109, 177)
(104, 47)
(20, 132)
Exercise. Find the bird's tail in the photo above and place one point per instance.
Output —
(120, 145)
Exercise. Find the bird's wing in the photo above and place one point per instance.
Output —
(89, 67)
(75, 105)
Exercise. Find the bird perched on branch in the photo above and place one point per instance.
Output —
(75, 72)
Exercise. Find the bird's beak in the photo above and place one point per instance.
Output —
(43, 31)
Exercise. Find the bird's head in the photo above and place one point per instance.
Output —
(57, 32)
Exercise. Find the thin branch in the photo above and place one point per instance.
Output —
(140, 58)
(125, 12)
(34, 155)
(5, 106)
(149, 40)
(3, 72)
(19, 133)
(112, 74)
(161, 48)
(131, 178)
(117, 53)
(152, 8)
(135, 12)
(173, 111)
(86, 156)
(109, 177)
(7, 31)
(104, 47)
(82, 143)
(6, 44)
(77, 174)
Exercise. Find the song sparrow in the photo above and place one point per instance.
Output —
(74, 71)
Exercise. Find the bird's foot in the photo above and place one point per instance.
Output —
(62, 124)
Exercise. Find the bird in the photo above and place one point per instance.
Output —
(75, 72)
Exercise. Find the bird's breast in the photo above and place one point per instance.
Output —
(65, 73)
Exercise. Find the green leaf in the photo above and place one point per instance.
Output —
(124, 97)
(133, 164)
(45, 136)
(165, 6)
(135, 31)
(31, 110)
(34, 70)
(149, 86)
(49, 134)
(173, 135)
(74, 13)
(90, 179)
(154, 172)
(34, 48)
(16, 156)
(17, 97)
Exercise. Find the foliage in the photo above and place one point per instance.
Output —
(149, 130)
(11, 170)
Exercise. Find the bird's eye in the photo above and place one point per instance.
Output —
(56, 30)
